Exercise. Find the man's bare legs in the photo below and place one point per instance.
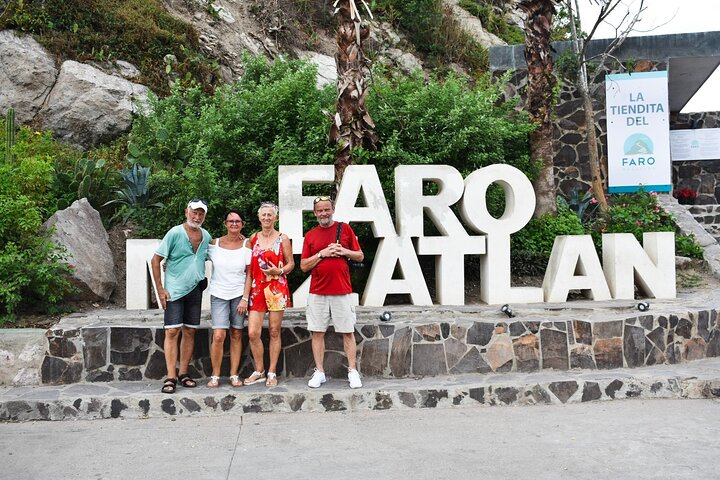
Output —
(318, 349)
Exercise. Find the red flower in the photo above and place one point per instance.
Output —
(686, 193)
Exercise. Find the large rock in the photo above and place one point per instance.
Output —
(472, 25)
(27, 74)
(88, 107)
(78, 228)
(326, 69)
(22, 351)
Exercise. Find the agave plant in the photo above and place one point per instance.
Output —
(582, 205)
(136, 194)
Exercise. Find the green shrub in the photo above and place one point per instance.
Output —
(446, 122)
(633, 213)
(640, 212)
(55, 174)
(33, 273)
(34, 276)
(531, 247)
(89, 178)
(687, 246)
(227, 147)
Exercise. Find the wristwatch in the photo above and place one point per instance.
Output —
(320, 257)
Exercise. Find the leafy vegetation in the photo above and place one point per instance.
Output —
(138, 31)
(43, 176)
(634, 213)
(531, 246)
(434, 32)
(226, 147)
(640, 212)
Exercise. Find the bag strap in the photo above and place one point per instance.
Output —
(337, 235)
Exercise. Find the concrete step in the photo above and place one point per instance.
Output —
(696, 379)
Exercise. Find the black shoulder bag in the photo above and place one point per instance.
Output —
(351, 263)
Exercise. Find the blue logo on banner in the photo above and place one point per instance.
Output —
(638, 144)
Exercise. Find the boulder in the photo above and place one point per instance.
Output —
(78, 228)
(27, 74)
(22, 352)
(472, 25)
(406, 62)
(88, 107)
(326, 69)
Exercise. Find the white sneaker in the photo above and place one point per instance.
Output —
(317, 379)
(354, 378)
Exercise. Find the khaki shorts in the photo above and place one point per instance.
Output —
(321, 309)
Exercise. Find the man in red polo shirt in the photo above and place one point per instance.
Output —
(330, 296)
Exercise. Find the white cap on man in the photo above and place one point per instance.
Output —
(198, 203)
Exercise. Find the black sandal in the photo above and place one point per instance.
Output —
(186, 381)
(169, 385)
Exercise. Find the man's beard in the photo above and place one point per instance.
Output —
(325, 222)
(195, 225)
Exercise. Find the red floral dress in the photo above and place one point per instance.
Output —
(267, 292)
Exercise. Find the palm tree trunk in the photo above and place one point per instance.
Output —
(352, 125)
(540, 98)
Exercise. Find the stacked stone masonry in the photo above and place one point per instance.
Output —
(96, 401)
(709, 217)
(457, 345)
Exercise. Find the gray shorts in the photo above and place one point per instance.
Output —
(321, 309)
(224, 313)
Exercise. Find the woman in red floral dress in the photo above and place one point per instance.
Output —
(266, 290)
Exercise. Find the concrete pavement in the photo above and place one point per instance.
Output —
(626, 439)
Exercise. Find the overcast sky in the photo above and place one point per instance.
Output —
(663, 17)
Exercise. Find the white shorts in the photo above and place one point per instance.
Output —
(321, 309)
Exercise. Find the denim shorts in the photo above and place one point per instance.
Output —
(224, 313)
(185, 311)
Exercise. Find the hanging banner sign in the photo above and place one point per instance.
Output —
(638, 132)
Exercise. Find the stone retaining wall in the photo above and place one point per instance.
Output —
(104, 350)
(709, 217)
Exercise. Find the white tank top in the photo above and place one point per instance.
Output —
(228, 276)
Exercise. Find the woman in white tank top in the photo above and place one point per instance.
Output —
(230, 257)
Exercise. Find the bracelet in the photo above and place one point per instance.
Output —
(244, 300)
(320, 257)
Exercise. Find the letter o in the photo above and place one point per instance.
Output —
(519, 199)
